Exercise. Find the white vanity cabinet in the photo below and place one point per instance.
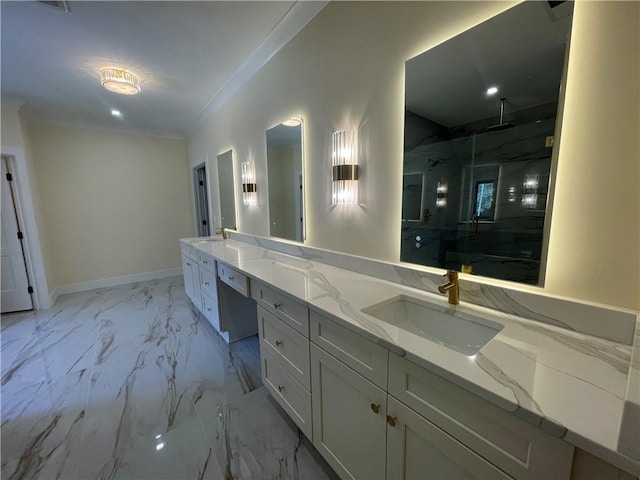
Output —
(283, 329)
(191, 273)
(513, 445)
(418, 425)
(209, 290)
(226, 303)
(349, 426)
(349, 381)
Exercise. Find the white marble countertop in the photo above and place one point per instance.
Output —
(572, 385)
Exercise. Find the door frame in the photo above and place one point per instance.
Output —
(197, 200)
(24, 207)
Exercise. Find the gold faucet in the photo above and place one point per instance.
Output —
(451, 287)
(223, 232)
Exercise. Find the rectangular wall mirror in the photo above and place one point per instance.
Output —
(481, 115)
(227, 191)
(285, 178)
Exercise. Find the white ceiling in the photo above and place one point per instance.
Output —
(190, 56)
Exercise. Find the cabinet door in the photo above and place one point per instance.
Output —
(210, 309)
(187, 272)
(349, 424)
(418, 450)
(195, 281)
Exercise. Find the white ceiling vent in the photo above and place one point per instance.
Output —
(61, 4)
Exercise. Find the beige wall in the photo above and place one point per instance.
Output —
(111, 204)
(594, 249)
(346, 69)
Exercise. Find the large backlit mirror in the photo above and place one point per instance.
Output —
(285, 177)
(226, 189)
(481, 130)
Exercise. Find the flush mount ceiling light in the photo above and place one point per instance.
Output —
(492, 90)
(119, 81)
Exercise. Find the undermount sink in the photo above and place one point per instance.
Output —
(461, 332)
(207, 240)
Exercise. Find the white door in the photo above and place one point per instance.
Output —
(15, 283)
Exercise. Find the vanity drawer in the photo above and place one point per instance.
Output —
(287, 346)
(513, 445)
(208, 282)
(206, 261)
(189, 251)
(232, 277)
(210, 309)
(290, 394)
(366, 357)
(293, 313)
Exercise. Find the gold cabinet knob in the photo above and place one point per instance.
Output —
(391, 420)
(278, 343)
(276, 306)
(280, 388)
(231, 279)
(375, 408)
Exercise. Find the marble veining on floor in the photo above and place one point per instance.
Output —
(131, 382)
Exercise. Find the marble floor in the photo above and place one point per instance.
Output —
(130, 382)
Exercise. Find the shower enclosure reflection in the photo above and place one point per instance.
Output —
(484, 155)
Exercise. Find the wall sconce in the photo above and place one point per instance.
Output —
(530, 195)
(344, 168)
(249, 188)
(442, 190)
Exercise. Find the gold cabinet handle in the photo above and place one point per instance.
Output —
(276, 305)
(280, 388)
(208, 309)
(231, 279)
(278, 343)
(375, 408)
(391, 420)
(188, 264)
(206, 283)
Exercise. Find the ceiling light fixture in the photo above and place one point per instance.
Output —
(116, 113)
(119, 81)
(492, 90)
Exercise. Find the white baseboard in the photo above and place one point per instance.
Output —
(112, 282)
